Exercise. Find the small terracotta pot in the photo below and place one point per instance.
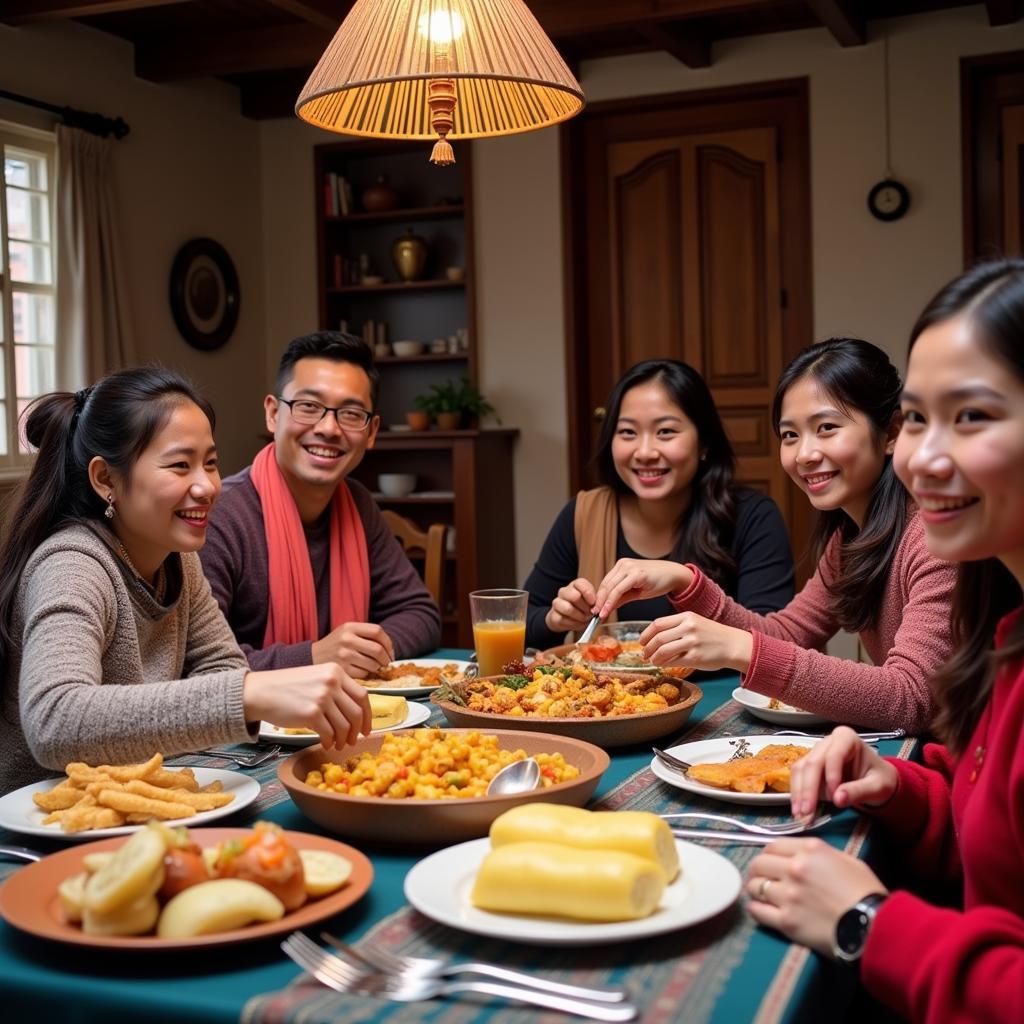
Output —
(448, 420)
(418, 420)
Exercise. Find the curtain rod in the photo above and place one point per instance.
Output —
(97, 124)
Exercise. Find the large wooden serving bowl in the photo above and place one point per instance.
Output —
(615, 731)
(415, 821)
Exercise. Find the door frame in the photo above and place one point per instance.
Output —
(782, 104)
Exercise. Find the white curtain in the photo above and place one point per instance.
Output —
(94, 334)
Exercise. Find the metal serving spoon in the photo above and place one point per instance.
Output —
(517, 777)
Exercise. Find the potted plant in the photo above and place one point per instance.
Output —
(450, 402)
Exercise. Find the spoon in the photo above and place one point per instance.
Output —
(517, 777)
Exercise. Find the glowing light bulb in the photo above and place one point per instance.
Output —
(442, 26)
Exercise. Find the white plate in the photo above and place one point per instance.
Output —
(439, 887)
(418, 714)
(20, 814)
(716, 751)
(418, 691)
(757, 705)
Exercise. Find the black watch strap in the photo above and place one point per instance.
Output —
(852, 928)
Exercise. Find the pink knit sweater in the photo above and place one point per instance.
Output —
(910, 638)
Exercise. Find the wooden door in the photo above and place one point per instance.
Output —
(685, 239)
(1013, 178)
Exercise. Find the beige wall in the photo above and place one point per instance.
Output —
(190, 167)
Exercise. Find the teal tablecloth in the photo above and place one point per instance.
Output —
(767, 979)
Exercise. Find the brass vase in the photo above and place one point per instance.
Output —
(410, 255)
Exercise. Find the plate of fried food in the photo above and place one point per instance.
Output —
(738, 770)
(390, 711)
(773, 710)
(610, 709)
(168, 889)
(416, 678)
(564, 876)
(114, 800)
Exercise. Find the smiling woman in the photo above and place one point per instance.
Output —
(111, 645)
(669, 492)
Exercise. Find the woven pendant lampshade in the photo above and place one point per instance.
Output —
(439, 69)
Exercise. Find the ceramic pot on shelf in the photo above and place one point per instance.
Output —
(379, 197)
(448, 420)
(418, 420)
(410, 255)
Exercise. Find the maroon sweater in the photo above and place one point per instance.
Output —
(908, 641)
(960, 821)
(235, 562)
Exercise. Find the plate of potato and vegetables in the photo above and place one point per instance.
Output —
(168, 888)
(554, 875)
(91, 802)
(390, 711)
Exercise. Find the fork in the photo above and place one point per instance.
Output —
(421, 967)
(335, 973)
(890, 734)
(671, 760)
(243, 760)
(782, 828)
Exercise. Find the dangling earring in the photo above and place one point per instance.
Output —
(109, 510)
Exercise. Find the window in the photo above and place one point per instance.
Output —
(28, 295)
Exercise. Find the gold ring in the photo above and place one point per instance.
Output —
(762, 890)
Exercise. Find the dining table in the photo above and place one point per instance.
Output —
(724, 970)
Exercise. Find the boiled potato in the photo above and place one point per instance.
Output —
(128, 874)
(72, 892)
(137, 918)
(217, 906)
(324, 871)
(92, 862)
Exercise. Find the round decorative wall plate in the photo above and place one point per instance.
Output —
(204, 293)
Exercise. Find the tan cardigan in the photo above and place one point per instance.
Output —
(596, 526)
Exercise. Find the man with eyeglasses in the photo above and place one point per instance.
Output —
(298, 556)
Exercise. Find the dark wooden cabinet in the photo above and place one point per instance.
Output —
(464, 478)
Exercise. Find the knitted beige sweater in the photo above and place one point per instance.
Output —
(105, 674)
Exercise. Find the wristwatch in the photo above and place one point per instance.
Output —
(851, 934)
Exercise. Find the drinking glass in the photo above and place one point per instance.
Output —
(499, 627)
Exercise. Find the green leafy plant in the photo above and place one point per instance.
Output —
(458, 397)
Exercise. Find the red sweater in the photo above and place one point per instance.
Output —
(960, 820)
(909, 640)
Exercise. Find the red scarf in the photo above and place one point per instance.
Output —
(291, 593)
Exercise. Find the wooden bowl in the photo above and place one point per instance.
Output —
(435, 821)
(617, 731)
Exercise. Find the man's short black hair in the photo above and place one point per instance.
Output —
(335, 345)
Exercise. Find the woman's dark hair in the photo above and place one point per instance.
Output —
(857, 376)
(116, 419)
(707, 526)
(991, 298)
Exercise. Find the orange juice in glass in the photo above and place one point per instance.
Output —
(499, 627)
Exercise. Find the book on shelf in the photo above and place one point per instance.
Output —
(337, 195)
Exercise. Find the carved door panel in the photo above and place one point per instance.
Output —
(1013, 179)
(693, 273)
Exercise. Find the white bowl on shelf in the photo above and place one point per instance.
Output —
(396, 485)
(408, 348)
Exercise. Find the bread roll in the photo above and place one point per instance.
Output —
(563, 881)
(637, 832)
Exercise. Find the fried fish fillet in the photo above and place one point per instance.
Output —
(768, 769)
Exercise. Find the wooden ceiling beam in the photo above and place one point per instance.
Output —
(1002, 12)
(20, 12)
(328, 14)
(843, 18)
(164, 59)
(689, 47)
(578, 17)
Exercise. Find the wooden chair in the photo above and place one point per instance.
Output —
(430, 542)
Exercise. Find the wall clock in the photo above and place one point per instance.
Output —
(204, 293)
(889, 199)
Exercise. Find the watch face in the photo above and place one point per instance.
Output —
(851, 934)
(889, 200)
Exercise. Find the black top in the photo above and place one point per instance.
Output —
(760, 546)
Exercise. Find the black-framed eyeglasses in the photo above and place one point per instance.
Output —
(349, 417)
